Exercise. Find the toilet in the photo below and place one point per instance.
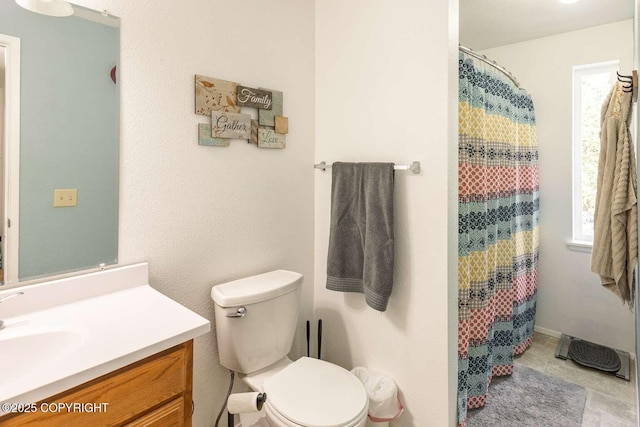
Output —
(256, 319)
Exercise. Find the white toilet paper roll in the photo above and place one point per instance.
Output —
(243, 402)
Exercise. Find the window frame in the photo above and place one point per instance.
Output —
(581, 241)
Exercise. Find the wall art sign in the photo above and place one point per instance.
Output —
(256, 98)
(230, 125)
(215, 95)
(267, 138)
(224, 102)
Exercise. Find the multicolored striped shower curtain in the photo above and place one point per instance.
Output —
(497, 226)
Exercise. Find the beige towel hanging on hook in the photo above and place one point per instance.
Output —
(615, 242)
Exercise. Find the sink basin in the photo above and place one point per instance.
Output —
(32, 350)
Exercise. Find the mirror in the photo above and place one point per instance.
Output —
(68, 139)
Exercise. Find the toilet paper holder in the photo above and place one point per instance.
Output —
(238, 403)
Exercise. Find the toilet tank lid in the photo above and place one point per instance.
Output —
(257, 288)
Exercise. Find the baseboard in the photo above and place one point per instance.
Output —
(546, 331)
(556, 334)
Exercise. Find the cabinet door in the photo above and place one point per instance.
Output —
(126, 394)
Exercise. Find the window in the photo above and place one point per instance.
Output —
(591, 85)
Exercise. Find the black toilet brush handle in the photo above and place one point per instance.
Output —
(319, 338)
(308, 337)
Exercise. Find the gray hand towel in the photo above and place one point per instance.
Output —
(361, 231)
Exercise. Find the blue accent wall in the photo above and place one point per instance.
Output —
(69, 139)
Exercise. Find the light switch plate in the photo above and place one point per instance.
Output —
(65, 197)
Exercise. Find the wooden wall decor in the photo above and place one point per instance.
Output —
(266, 117)
(225, 103)
(204, 137)
(256, 98)
(215, 95)
(267, 138)
(282, 125)
(254, 132)
(230, 125)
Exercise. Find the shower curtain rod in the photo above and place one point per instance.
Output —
(490, 62)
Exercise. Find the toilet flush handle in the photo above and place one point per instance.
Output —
(240, 312)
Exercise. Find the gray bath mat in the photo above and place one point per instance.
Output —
(594, 356)
(530, 398)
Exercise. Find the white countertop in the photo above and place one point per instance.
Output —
(97, 323)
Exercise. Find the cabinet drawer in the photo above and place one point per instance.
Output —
(128, 392)
(169, 415)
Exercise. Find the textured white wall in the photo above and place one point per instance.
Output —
(382, 92)
(570, 298)
(205, 215)
(2, 101)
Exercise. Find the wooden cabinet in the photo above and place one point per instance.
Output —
(154, 392)
(171, 414)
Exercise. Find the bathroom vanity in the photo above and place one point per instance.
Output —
(97, 349)
(153, 392)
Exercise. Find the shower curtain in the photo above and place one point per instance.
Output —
(497, 227)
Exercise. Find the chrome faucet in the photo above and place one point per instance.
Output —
(6, 297)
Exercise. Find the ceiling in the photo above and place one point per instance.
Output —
(489, 23)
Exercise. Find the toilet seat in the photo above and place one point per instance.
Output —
(314, 393)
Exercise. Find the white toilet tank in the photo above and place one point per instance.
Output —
(256, 319)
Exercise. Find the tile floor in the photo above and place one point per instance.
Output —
(610, 400)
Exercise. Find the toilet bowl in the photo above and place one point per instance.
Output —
(255, 323)
(314, 393)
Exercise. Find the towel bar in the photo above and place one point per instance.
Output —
(413, 167)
